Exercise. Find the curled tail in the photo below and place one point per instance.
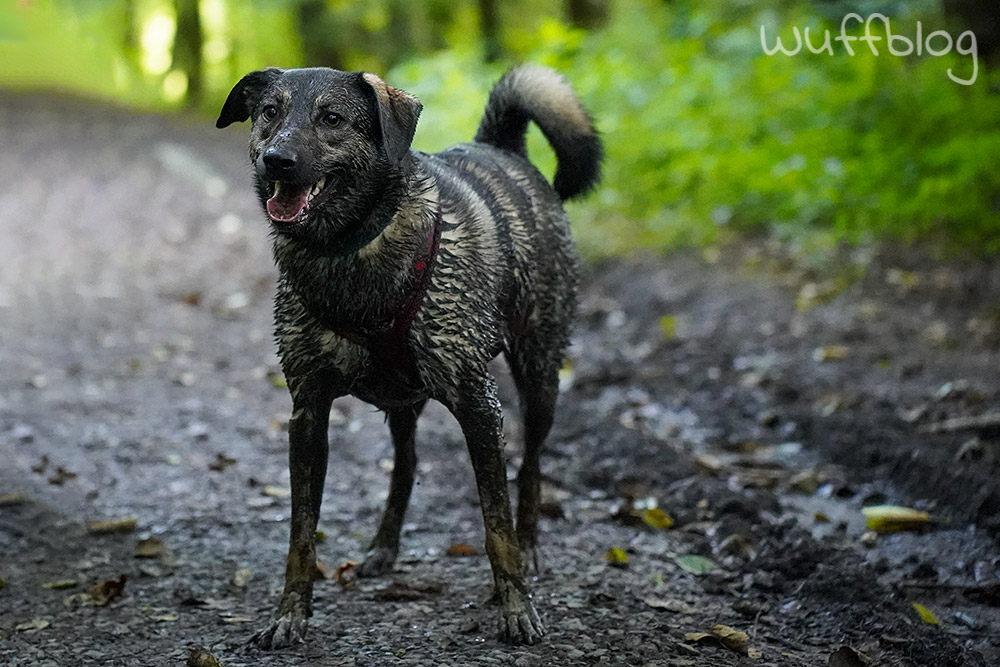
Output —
(531, 92)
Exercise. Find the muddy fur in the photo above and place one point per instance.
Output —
(401, 275)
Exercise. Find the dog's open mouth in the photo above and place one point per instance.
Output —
(290, 202)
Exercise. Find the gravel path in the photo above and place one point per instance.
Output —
(138, 381)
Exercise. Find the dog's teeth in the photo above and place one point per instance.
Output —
(317, 187)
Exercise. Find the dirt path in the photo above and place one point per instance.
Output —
(137, 380)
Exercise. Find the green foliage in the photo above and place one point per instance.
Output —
(706, 136)
(704, 133)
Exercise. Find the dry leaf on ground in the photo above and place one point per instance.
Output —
(33, 624)
(694, 564)
(109, 526)
(200, 657)
(892, 518)
(107, 591)
(925, 614)
(616, 557)
(725, 636)
(346, 575)
(150, 547)
(461, 549)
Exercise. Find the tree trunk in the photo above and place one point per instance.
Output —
(318, 34)
(187, 49)
(587, 14)
(489, 22)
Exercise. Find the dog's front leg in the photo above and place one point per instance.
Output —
(477, 409)
(308, 447)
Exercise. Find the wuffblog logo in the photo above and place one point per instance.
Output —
(937, 43)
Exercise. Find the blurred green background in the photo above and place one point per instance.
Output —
(707, 137)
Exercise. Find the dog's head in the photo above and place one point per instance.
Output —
(324, 143)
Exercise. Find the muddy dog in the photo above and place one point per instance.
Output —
(401, 275)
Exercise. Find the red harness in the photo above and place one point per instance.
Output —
(386, 341)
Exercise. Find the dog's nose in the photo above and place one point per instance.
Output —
(279, 159)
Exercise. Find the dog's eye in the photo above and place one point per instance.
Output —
(331, 119)
(269, 112)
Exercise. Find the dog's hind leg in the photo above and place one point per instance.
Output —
(474, 403)
(308, 450)
(385, 547)
(535, 370)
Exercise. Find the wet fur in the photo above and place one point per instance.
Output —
(503, 280)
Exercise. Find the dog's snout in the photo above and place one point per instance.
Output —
(279, 159)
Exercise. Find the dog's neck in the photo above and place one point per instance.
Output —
(363, 287)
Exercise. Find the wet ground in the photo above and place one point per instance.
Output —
(759, 404)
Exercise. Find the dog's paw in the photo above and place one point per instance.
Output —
(378, 561)
(519, 622)
(521, 627)
(286, 630)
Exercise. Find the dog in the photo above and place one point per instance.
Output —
(401, 275)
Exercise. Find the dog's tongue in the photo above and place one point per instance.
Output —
(287, 202)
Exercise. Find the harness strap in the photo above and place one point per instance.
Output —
(386, 341)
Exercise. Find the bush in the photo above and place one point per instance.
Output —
(705, 133)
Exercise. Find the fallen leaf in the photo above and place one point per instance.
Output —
(399, 591)
(346, 575)
(656, 518)
(696, 565)
(200, 657)
(277, 379)
(320, 536)
(831, 353)
(668, 326)
(461, 549)
(221, 462)
(807, 481)
(150, 547)
(892, 518)
(105, 527)
(724, 636)
(8, 499)
(33, 624)
(107, 591)
(734, 640)
(277, 491)
(710, 462)
(616, 557)
(241, 578)
(60, 584)
(925, 614)
(164, 618)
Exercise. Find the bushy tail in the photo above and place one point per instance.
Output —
(531, 92)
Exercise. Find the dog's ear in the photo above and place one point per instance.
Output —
(398, 112)
(245, 95)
